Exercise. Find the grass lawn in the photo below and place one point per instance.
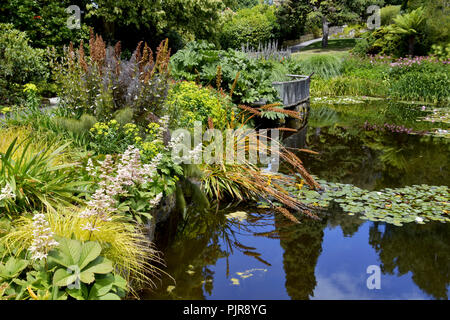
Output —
(337, 47)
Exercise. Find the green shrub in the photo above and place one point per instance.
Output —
(103, 83)
(188, 102)
(442, 52)
(19, 63)
(349, 86)
(388, 14)
(198, 61)
(381, 41)
(250, 25)
(45, 22)
(35, 181)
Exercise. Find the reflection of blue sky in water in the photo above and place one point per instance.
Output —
(340, 271)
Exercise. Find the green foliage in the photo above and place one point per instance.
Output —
(19, 63)
(422, 86)
(104, 83)
(188, 102)
(36, 180)
(441, 52)
(199, 61)
(349, 86)
(12, 268)
(388, 14)
(75, 260)
(45, 22)
(324, 66)
(73, 268)
(77, 126)
(291, 17)
(134, 21)
(410, 25)
(256, 25)
(111, 137)
(396, 206)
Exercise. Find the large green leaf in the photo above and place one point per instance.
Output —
(81, 260)
(100, 265)
(68, 253)
(12, 268)
(89, 252)
(63, 277)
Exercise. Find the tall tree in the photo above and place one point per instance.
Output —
(139, 19)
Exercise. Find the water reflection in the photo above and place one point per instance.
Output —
(269, 257)
(423, 250)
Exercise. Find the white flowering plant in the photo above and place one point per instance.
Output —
(128, 186)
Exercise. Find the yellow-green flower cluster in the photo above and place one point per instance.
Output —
(5, 110)
(131, 129)
(153, 128)
(103, 128)
(30, 87)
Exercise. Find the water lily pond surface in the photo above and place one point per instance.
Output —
(377, 146)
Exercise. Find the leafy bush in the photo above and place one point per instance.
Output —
(45, 22)
(349, 86)
(70, 268)
(195, 103)
(248, 79)
(19, 63)
(125, 245)
(441, 52)
(388, 14)
(422, 86)
(256, 25)
(380, 41)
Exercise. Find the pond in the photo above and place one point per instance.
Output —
(253, 253)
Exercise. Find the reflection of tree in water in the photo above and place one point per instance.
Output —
(343, 157)
(201, 240)
(423, 250)
(302, 244)
(348, 224)
(195, 248)
(375, 160)
(410, 159)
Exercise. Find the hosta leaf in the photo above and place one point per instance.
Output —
(100, 265)
(64, 278)
(89, 252)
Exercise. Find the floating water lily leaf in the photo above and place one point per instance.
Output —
(395, 206)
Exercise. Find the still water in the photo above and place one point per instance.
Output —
(265, 256)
